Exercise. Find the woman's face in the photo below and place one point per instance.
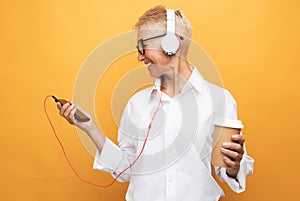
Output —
(158, 62)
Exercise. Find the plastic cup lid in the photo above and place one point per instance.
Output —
(231, 123)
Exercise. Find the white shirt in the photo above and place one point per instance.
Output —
(176, 162)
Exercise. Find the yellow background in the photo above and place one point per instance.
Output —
(255, 45)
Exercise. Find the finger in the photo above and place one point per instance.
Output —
(63, 108)
(67, 107)
(58, 105)
(233, 146)
(230, 163)
(238, 138)
(68, 110)
(72, 113)
(235, 156)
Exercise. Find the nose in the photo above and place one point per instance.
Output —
(141, 57)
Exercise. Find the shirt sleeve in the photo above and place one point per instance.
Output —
(239, 184)
(115, 159)
(247, 163)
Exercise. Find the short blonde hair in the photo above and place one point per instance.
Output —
(156, 17)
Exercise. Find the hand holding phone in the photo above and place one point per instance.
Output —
(79, 116)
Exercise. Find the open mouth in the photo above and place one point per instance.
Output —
(148, 63)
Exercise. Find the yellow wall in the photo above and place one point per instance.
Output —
(255, 45)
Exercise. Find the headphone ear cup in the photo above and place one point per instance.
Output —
(170, 44)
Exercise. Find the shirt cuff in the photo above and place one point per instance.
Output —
(109, 158)
(238, 184)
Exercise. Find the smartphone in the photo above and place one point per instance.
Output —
(79, 116)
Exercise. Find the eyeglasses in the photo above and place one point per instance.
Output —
(141, 45)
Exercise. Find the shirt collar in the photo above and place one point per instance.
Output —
(195, 81)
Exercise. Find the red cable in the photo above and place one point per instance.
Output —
(70, 163)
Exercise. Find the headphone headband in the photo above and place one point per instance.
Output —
(170, 21)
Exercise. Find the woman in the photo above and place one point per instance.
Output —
(165, 134)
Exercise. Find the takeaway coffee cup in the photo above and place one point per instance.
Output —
(223, 131)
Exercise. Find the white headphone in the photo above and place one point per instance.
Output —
(170, 43)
